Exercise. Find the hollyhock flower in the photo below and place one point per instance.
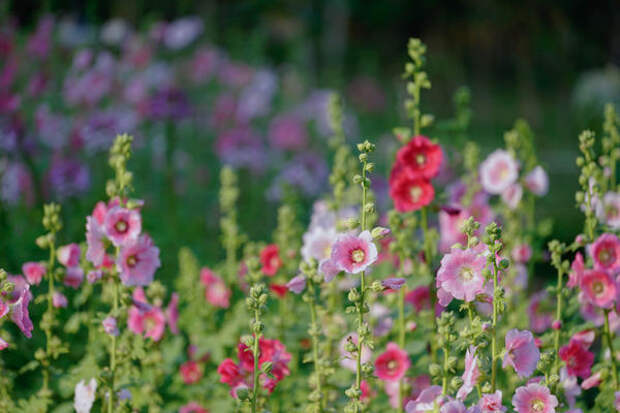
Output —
(570, 386)
(190, 372)
(59, 300)
(420, 157)
(537, 181)
(95, 234)
(608, 210)
(347, 359)
(599, 288)
(150, 323)
(453, 406)
(138, 261)
(576, 272)
(69, 255)
(470, 375)
(329, 269)
(498, 171)
(93, 276)
(539, 312)
(68, 177)
(512, 195)
(192, 407)
(270, 260)
(181, 32)
(74, 277)
(522, 253)
(534, 398)
(110, 326)
(427, 401)
(122, 226)
(605, 252)
(491, 403)
(617, 400)
(216, 291)
(172, 313)
(592, 381)
(317, 243)
(393, 283)
(578, 360)
(229, 373)
(410, 194)
(392, 364)
(460, 274)
(297, 284)
(272, 351)
(354, 254)
(367, 392)
(279, 290)
(419, 298)
(19, 312)
(584, 338)
(521, 352)
(85, 395)
(34, 272)
(287, 132)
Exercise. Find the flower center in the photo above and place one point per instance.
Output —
(358, 255)
(415, 192)
(538, 405)
(121, 226)
(132, 260)
(598, 287)
(274, 262)
(149, 324)
(467, 274)
(420, 159)
(605, 256)
(392, 364)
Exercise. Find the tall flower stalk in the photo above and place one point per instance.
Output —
(231, 236)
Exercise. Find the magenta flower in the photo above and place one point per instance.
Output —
(498, 171)
(537, 181)
(522, 253)
(297, 284)
(122, 226)
(216, 291)
(172, 313)
(534, 398)
(59, 300)
(20, 314)
(145, 319)
(74, 277)
(110, 326)
(460, 274)
(354, 254)
(491, 403)
(34, 272)
(392, 364)
(577, 358)
(138, 261)
(69, 255)
(470, 375)
(599, 288)
(521, 352)
(576, 273)
(393, 283)
(605, 252)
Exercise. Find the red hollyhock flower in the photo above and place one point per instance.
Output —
(190, 372)
(421, 158)
(419, 298)
(270, 260)
(229, 373)
(279, 290)
(578, 360)
(392, 364)
(408, 193)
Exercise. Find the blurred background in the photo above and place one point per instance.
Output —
(201, 84)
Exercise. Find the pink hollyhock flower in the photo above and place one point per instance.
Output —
(491, 403)
(570, 386)
(534, 398)
(617, 401)
(584, 338)
(420, 157)
(297, 284)
(272, 351)
(605, 252)
(270, 260)
(150, 323)
(427, 401)
(317, 243)
(192, 407)
(229, 373)
(172, 313)
(93, 276)
(419, 298)
(348, 360)
(392, 364)
(578, 360)
(470, 375)
(3, 344)
(85, 396)
(608, 210)
(138, 261)
(329, 269)
(576, 272)
(216, 291)
(20, 314)
(287, 132)
(393, 283)
(354, 254)
(512, 195)
(453, 406)
(592, 381)
(521, 352)
(122, 225)
(34, 272)
(95, 247)
(522, 253)
(540, 312)
(367, 392)
(74, 277)
(599, 288)
(59, 300)
(69, 255)
(110, 326)
(498, 171)
(537, 181)
(460, 274)
(190, 372)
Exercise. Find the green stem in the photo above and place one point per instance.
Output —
(50, 311)
(610, 345)
(429, 261)
(470, 315)
(113, 350)
(558, 317)
(360, 319)
(401, 341)
(494, 328)
(255, 375)
(315, 344)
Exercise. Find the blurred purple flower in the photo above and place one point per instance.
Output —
(68, 177)
(180, 33)
(306, 172)
(287, 132)
(40, 43)
(169, 103)
(241, 147)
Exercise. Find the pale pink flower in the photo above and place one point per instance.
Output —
(110, 326)
(521, 352)
(150, 323)
(539, 312)
(570, 386)
(512, 195)
(317, 243)
(354, 254)
(95, 249)
(453, 406)
(74, 277)
(534, 398)
(85, 396)
(617, 401)
(297, 284)
(394, 283)
(216, 291)
(522, 252)
(427, 401)
(608, 210)
(34, 272)
(20, 314)
(172, 313)
(69, 255)
(491, 403)
(329, 269)
(470, 375)
(122, 226)
(605, 252)
(59, 300)
(599, 288)
(460, 274)
(577, 268)
(537, 181)
(392, 364)
(349, 360)
(498, 171)
(138, 261)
